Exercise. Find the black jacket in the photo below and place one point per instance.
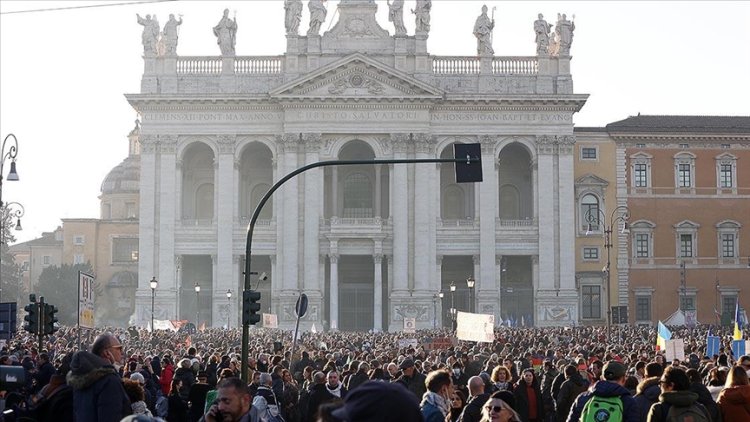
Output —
(473, 410)
(659, 411)
(98, 393)
(414, 384)
(569, 390)
(318, 395)
(520, 393)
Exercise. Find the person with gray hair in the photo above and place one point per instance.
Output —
(360, 377)
(98, 393)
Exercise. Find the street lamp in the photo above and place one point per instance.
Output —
(197, 304)
(12, 174)
(453, 307)
(229, 309)
(470, 282)
(154, 284)
(595, 216)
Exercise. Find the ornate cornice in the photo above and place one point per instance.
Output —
(226, 143)
(288, 142)
(312, 142)
(545, 144)
(424, 143)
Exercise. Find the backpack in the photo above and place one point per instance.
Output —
(692, 413)
(162, 407)
(602, 409)
(267, 412)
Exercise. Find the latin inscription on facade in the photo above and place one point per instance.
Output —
(502, 117)
(211, 117)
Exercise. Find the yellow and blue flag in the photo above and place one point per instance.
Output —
(662, 335)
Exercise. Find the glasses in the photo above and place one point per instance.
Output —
(118, 347)
(496, 409)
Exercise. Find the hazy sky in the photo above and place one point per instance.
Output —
(63, 73)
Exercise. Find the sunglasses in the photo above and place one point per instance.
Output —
(496, 409)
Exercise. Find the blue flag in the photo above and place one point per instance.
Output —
(713, 343)
(738, 348)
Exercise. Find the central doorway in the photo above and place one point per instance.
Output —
(356, 293)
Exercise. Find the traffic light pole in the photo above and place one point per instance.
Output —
(468, 160)
(42, 322)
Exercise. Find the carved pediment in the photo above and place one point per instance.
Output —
(357, 76)
(591, 180)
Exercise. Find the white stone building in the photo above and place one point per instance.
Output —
(369, 245)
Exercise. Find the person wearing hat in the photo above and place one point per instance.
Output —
(411, 379)
(376, 401)
(610, 386)
(197, 396)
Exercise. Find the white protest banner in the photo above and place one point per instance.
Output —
(164, 324)
(405, 343)
(410, 325)
(675, 349)
(85, 300)
(270, 321)
(475, 327)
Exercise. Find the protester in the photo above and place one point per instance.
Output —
(497, 410)
(609, 390)
(676, 401)
(734, 400)
(458, 402)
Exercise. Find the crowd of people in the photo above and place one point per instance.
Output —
(527, 375)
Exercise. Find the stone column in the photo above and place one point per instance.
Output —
(378, 290)
(400, 217)
(566, 211)
(378, 192)
(333, 295)
(289, 146)
(313, 198)
(166, 205)
(147, 264)
(334, 192)
(423, 213)
(225, 192)
(547, 221)
(488, 204)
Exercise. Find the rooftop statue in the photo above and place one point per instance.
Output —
(422, 12)
(542, 31)
(150, 35)
(293, 16)
(226, 32)
(318, 13)
(564, 31)
(396, 15)
(169, 36)
(483, 31)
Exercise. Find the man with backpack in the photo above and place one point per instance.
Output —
(676, 402)
(608, 400)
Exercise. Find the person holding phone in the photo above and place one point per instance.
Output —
(233, 403)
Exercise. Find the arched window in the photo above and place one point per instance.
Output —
(510, 206)
(357, 196)
(255, 196)
(204, 202)
(590, 213)
(454, 203)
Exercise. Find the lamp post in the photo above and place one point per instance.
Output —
(470, 283)
(12, 176)
(229, 309)
(595, 216)
(197, 304)
(12, 210)
(154, 284)
(453, 307)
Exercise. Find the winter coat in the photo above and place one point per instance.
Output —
(318, 395)
(357, 379)
(704, 398)
(56, 403)
(606, 389)
(473, 410)
(415, 384)
(165, 379)
(734, 403)
(98, 393)
(569, 390)
(187, 377)
(686, 398)
(523, 405)
(646, 394)
(178, 410)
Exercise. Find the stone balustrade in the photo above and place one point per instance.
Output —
(455, 65)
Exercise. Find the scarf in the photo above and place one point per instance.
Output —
(502, 386)
(436, 400)
(335, 391)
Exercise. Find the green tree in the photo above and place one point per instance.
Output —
(11, 287)
(59, 286)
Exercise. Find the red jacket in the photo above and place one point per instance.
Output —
(734, 403)
(165, 379)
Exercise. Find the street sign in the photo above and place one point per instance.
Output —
(301, 307)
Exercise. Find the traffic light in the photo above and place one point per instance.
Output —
(250, 307)
(49, 319)
(31, 318)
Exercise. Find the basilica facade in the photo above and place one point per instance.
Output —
(370, 245)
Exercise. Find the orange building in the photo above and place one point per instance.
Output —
(686, 181)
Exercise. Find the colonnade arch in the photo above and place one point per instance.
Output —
(198, 182)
